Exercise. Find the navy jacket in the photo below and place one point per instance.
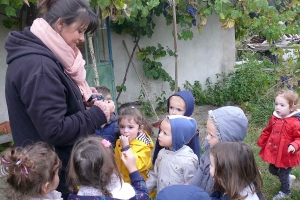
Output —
(43, 103)
(110, 131)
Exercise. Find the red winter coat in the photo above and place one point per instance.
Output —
(276, 138)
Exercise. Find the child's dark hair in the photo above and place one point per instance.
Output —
(69, 11)
(235, 169)
(132, 112)
(91, 164)
(291, 96)
(104, 91)
(29, 169)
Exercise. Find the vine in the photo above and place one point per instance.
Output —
(268, 18)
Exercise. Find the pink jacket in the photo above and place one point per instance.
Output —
(276, 138)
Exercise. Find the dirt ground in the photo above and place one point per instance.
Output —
(199, 114)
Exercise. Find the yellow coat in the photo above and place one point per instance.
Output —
(143, 156)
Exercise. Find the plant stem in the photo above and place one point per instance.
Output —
(132, 53)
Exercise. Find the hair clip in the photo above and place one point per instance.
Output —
(26, 170)
(4, 161)
(106, 143)
(19, 161)
(132, 107)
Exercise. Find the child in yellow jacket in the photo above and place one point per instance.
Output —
(134, 137)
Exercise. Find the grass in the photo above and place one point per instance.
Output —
(271, 184)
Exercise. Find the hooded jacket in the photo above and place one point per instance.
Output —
(182, 192)
(231, 124)
(43, 103)
(110, 131)
(176, 166)
(276, 138)
(142, 152)
(189, 100)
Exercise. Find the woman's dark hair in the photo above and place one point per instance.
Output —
(69, 11)
(91, 164)
(29, 169)
(235, 169)
(131, 112)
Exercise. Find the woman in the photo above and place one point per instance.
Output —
(46, 91)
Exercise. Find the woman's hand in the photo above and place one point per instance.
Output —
(129, 160)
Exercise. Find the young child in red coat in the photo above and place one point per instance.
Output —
(280, 140)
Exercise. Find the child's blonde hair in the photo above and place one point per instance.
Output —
(235, 169)
(291, 96)
(29, 169)
(131, 112)
(92, 164)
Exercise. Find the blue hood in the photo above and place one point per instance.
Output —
(231, 123)
(189, 100)
(183, 130)
(182, 192)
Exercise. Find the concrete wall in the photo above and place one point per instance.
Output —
(3, 67)
(208, 53)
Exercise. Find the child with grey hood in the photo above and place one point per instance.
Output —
(228, 124)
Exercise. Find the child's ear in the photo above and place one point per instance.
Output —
(293, 108)
(141, 128)
(45, 188)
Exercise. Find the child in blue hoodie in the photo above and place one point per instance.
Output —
(227, 123)
(181, 103)
(177, 162)
(110, 130)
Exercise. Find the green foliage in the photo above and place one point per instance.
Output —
(153, 69)
(8, 23)
(161, 101)
(249, 81)
(121, 88)
(146, 107)
(198, 93)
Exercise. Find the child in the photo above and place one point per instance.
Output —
(280, 140)
(227, 123)
(135, 133)
(181, 103)
(93, 168)
(31, 172)
(110, 130)
(176, 163)
(235, 172)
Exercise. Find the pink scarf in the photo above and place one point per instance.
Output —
(71, 60)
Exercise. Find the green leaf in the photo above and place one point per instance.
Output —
(6, 2)
(187, 34)
(143, 21)
(145, 11)
(10, 11)
(124, 88)
(153, 3)
(104, 3)
(140, 54)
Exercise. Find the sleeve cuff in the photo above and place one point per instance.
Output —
(135, 176)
